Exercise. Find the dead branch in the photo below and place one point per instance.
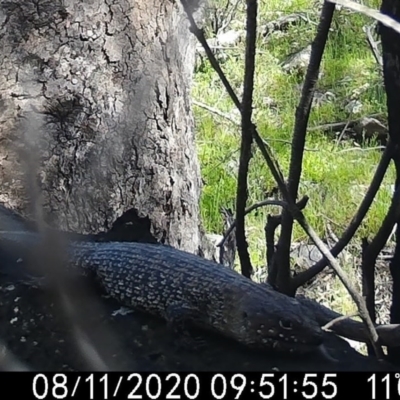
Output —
(227, 252)
(281, 264)
(248, 210)
(373, 44)
(276, 172)
(215, 111)
(247, 138)
(270, 227)
(357, 298)
(300, 204)
(230, 14)
(368, 281)
(264, 148)
(389, 335)
(336, 126)
(341, 134)
(329, 325)
(390, 55)
(361, 149)
(369, 12)
(344, 240)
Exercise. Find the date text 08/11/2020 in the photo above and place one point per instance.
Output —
(212, 385)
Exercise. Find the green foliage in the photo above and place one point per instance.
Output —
(335, 175)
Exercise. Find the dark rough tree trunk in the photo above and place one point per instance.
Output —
(391, 68)
(97, 94)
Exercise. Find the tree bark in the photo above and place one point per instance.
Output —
(95, 94)
(391, 74)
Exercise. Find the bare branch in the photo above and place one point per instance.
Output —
(247, 138)
(264, 148)
(296, 213)
(361, 149)
(329, 325)
(369, 12)
(344, 240)
(340, 125)
(389, 335)
(373, 44)
(215, 111)
(231, 14)
(357, 298)
(300, 204)
(280, 269)
(249, 210)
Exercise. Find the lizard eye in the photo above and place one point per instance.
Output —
(285, 324)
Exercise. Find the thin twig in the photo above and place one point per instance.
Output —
(278, 176)
(390, 55)
(237, 123)
(361, 149)
(371, 251)
(264, 148)
(289, 142)
(300, 204)
(248, 210)
(373, 44)
(230, 15)
(216, 112)
(331, 233)
(340, 125)
(303, 277)
(280, 269)
(357, 298)
(369, 12)
(341, 134)
(368, 282)
(336, 320)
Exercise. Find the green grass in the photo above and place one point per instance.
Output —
(332, 178)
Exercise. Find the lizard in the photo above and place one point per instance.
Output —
(185, 289)
(177, 286)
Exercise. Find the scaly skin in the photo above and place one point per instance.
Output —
(181, 287)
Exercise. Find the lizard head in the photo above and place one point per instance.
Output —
(279, 323)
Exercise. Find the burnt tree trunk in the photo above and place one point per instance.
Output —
(391, 69)
(96, 93)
